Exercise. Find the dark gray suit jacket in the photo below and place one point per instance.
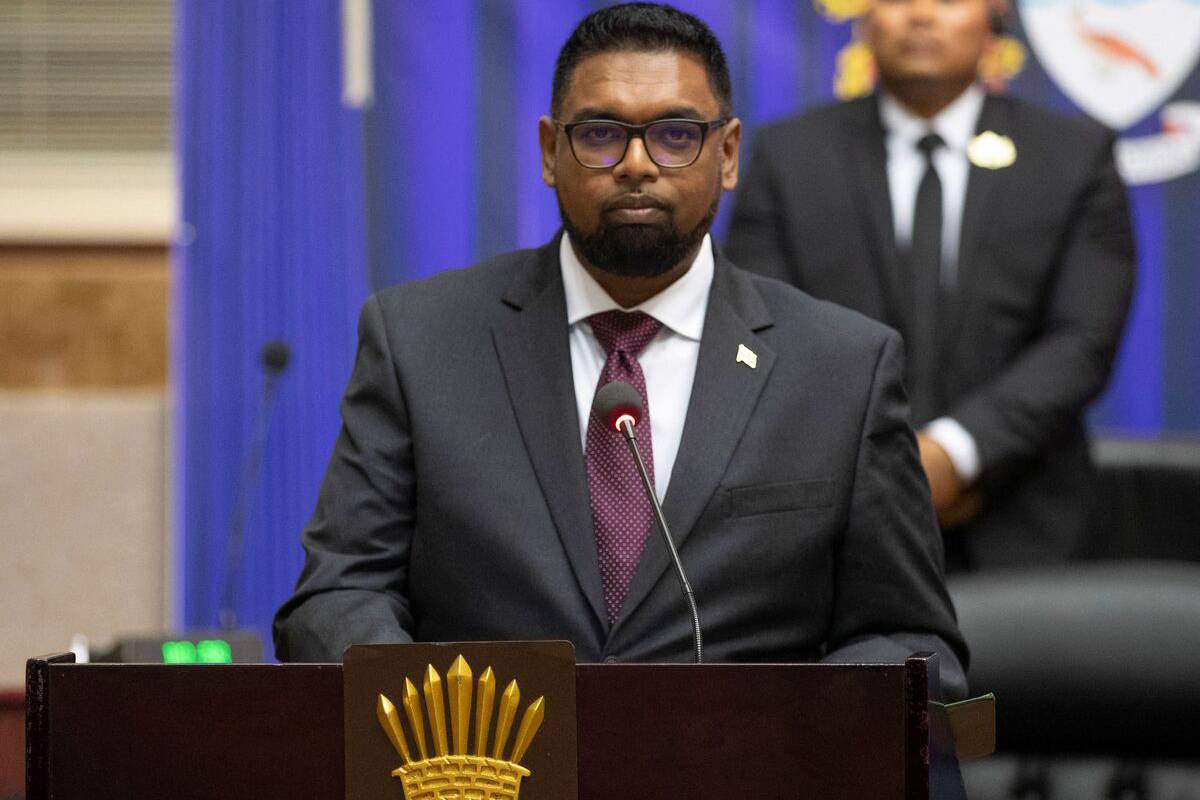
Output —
(455, 505)
(1045, 274)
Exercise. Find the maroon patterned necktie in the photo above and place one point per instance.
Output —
(621, 512)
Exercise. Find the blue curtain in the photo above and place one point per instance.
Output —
(272, 246)
(285, 231)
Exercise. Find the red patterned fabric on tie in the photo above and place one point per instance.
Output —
(621, 512)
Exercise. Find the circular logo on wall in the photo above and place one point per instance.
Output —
(1120, 61)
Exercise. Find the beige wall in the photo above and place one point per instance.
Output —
(83, 460)
(81, 534)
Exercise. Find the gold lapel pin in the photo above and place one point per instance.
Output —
(746, 356)
(990, 150)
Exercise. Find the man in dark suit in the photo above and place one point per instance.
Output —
(993, 235)
(471, 494)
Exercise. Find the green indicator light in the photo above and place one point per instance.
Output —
(214, 651)
(179, 653)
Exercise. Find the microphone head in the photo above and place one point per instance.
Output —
(617, 401)
(275, 355)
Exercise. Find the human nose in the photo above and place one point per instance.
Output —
(922, 12)
(637, 165)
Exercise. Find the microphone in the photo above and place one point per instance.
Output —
(275, 355)
(274, 358)
(619, 406)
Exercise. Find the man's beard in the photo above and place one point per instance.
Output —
(638, 251)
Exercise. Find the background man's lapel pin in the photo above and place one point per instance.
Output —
(746, 356)
(990, 150)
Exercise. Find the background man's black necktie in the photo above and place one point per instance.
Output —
(928, 307)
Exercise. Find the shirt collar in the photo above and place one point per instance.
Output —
(955, 123)
(680, 306)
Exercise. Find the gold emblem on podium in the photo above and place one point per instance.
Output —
(444, 768)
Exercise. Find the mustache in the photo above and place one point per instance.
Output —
(636, 201)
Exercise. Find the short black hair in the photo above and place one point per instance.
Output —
(647, 27)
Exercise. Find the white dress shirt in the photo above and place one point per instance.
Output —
(906, 166)
(668, 361)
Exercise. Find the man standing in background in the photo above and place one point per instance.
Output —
(993, 235)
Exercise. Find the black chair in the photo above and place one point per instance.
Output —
(1148, 501)
(1088, 661)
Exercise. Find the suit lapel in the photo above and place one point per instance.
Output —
(535, 356)
(724, 393)
(978, 215)
(865, 151)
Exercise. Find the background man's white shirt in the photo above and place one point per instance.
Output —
(906, 166)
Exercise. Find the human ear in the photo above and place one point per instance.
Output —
(730, 145)
(548, 142)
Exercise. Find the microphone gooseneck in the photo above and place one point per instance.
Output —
(273, 358)
(620, 407)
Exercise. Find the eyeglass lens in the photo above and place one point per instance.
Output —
(669, 143)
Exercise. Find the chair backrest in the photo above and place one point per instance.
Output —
(1148, 501)
(1097, 659)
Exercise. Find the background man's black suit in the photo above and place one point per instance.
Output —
(1045, 274)
(455, 505)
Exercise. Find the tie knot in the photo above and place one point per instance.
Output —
(930, 142)
(624, 331)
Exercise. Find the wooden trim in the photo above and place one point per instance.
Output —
(37, 723)
(84, 316)
(916, 717)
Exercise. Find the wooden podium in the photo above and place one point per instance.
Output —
(859, 732)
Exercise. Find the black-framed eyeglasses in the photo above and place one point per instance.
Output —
(673, 143)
